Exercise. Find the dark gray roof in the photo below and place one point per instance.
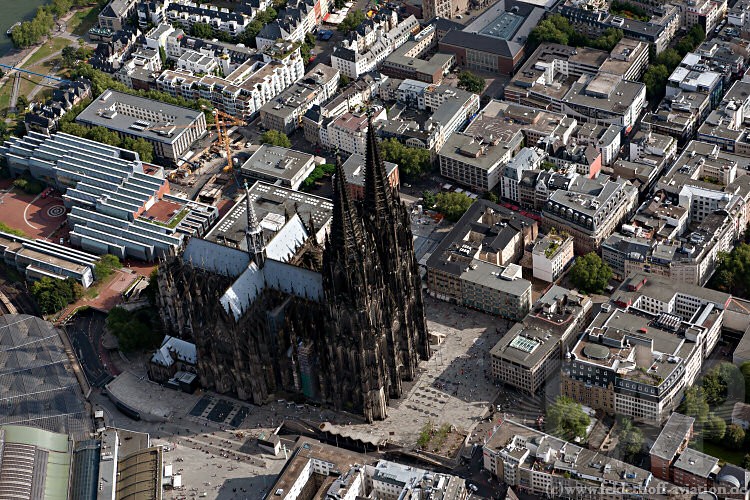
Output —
(480, 42)
(672, 435)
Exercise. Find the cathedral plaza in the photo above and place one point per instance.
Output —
(453, 386)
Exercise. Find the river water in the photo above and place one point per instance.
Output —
(12, 11)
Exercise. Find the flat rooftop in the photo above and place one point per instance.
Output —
(278, 162)
(354, 168)
(133, 115)
(674, 431)
(503, 27)
(272, 206)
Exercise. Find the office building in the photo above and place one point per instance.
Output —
(644, 348)
(495, 41)
(473, 264)
(531, 352)
(589, 210)
(551, 255)
(276, 165)
(117, 205)
(171, 129)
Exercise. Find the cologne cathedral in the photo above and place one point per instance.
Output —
(340, 321)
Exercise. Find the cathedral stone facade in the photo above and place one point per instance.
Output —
(341, 323)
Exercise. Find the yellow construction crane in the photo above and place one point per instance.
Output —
(222, 121)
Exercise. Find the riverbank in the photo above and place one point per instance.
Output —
(38, 58)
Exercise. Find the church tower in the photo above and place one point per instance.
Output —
(387, 219)
(256, 245)
(356, 357)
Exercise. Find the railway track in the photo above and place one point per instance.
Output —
(6, 306)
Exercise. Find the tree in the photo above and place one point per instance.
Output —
(69, 56)
(248, 35)
(412, 162)
(491, 196)
(106, 265)
(202, 30)
(590, 274)
(353, 19)
(471, 82)
(141, 146)
(630, 438)
(275, 138)
(745, 370)
(669, 58)
(134, 330)
(734, 437)
(53, 295)
(746, 462)
(554, 29)
(320, 171)
(61, 7)
(715, 428)
(722, 382)
(31, 32)
(566, 419)
(694, 404)
(428, 199)
(733, 273)
(103, 135)
(655, 78)
(163, 55)
(452, 205)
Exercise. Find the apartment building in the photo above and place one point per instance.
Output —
(530, 353)
(672, 441)
(374, 40)
(589, 210)
(538, 463)
(526, 159)
(245, 90)
(354, 169)
(187, 13)
(551, 255)
(284, 113)
(605, 138)
(348, 132)
(293, 22)
(705, 179)
(115, 14)
(350, 98)
(326, 471)
(679, 115)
